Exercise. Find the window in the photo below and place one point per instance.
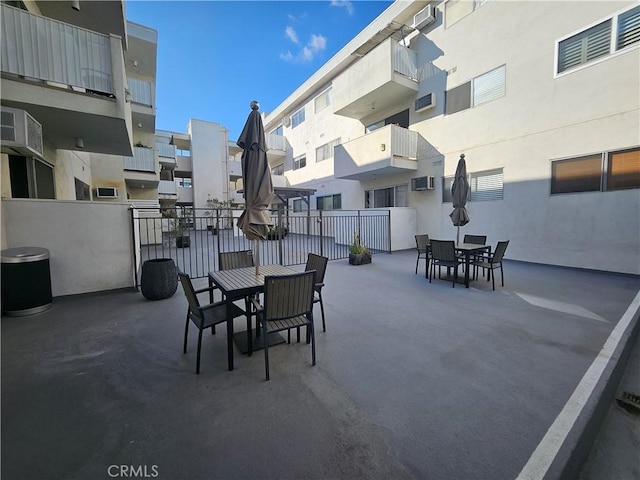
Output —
(184, 182)
(82, 190)
(278, 170)
(374, 126)
(297, 118)
(483, 88)
(300, 162)
(447, 182)
(323, 100)
(599, 41)
(325, 151)
(299, 205)
(487, 185)
(183, 153)
(329, 202)
(386, 197)
(616, 170)
(277, 131)
(489, 86)
(30, 178)
(623, 169)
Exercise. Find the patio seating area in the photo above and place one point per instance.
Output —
(413, 380)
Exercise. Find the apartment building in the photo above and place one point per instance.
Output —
(542, 98)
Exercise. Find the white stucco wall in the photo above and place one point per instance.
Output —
(89, 243)
(208, 158)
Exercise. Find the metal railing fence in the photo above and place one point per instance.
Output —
(193, 237)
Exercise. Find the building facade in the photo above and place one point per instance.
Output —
(548, 118)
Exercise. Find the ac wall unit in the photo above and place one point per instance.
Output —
(286, 121)
(423, 183)
(21, 133)
(424, 17)
(426, 102)
(106, 192)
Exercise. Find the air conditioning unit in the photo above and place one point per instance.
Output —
(426, 102)
(286, 121)
(21, 133)
(424, 17)
(106, 192)
(423, 183)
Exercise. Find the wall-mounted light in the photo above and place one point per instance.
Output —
(75, 4)
(135, 63)
(139, 125)
(79, 142)
(383, 147)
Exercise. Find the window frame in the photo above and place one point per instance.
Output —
(297, 118)
(327, 146)
(335, 198)
(298, 160)
(327, 95)
(370, 196)
(32, 180)
(476, 195)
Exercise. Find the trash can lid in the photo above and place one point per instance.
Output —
(24, 254)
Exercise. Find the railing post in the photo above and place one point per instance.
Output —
(279, 230)
(389, 230)
(320, 220)
(135, 250)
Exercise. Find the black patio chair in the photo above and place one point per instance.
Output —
(422, 247)
(319, 264)
(233, 260)
(443, 254)
(476, 240)
(492, 261)
(203, 316)
(288, 304)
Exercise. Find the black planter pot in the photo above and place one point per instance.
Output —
(159, 278)
(359, 258)
(212, 229)
(183, 242)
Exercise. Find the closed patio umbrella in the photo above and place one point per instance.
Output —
(256, 181)
(459, 193)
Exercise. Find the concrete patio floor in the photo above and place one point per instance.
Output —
(413, 380)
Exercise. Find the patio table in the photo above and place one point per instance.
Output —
(241, 283)
(469, 249)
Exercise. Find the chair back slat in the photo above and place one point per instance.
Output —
(475, 239)
(422, 242)
(287, 296)
(317, 263)
(233, 260)
(499, 252)
(189, 292)
(443, 250)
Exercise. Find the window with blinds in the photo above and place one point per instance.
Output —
(457, 99)
(489, 86)
(486, 185)
(585, 46)
(323, 100)
(325, 151)
(623, 169)
(447, 182)
(628, 28)
(582, 174)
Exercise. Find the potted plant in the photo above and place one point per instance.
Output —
(359, 254)
(213, 205)
(275, 232)
(180, 231)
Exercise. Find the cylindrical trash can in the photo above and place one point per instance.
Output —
(26, 281)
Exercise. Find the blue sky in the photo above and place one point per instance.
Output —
(214, 57)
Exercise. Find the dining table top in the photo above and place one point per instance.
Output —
(471, 247)
(241, 280)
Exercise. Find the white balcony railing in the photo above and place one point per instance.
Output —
(44, 49)
(165, 150)
(275, 142)
(140, 91)
(143, 160)
(167, 187)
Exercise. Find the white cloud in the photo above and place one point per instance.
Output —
(343, 3)
(292, 35)
(307, 54)
(287, 57)
(317, 43)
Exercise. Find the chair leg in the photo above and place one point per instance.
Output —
(501, 274)
(426, 270)
(186, 331)
(324, 327)
(199, 348)
(266, 350)
(417, 261)
(493, 279)
(313, 342)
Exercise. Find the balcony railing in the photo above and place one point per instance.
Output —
(44, 49)
(143, 160)
(167, 187)
(275, 142)
(166, 150)
(387, 150)
(140, 91)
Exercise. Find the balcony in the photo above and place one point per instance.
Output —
(167, 187)
(185, 195)
(276, 146)
(166, 155)
(235, 170)
(140, 60)
(382, 79)
(140, 170)
(70, 79)
(388, 150)
(183, 164)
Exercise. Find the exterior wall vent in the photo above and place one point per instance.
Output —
(424, 17)
(426, 102)
(423, 183)
(21, 133)
(106, 192)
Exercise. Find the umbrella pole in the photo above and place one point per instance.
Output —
(256, 251)
(458, 236)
